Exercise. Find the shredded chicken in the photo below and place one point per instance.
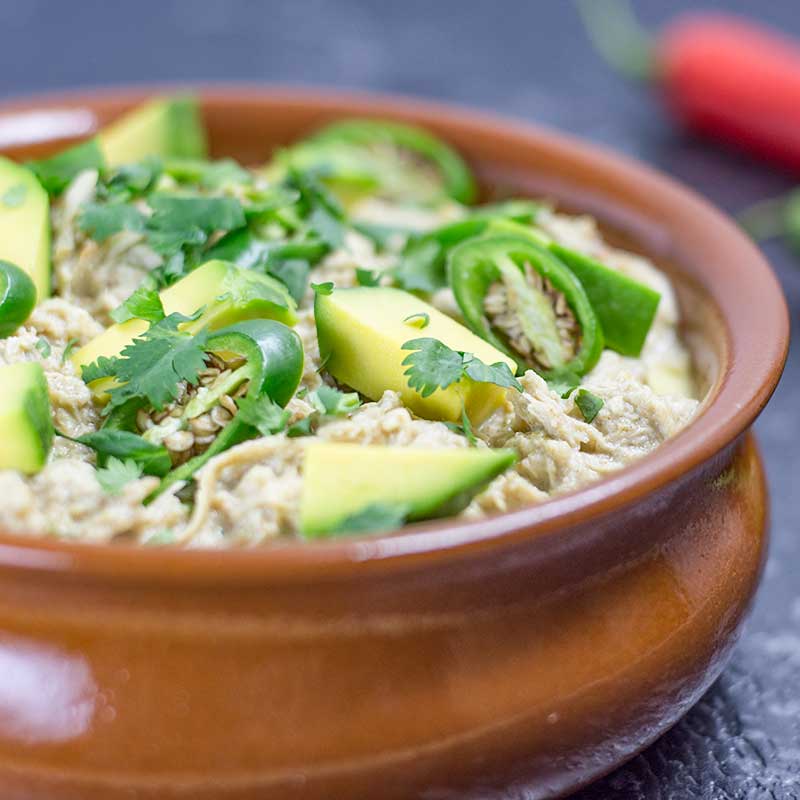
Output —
(252, 492)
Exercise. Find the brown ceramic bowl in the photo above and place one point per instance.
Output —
(537, 649)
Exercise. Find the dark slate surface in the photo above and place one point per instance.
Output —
(527, 58)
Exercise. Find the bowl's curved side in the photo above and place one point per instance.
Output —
(743, 319)
(462, 682)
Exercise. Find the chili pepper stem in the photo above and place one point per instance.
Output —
(619, 38)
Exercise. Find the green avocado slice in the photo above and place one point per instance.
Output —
(25, 224)
(341, 480)
(163, 127)
(26, 427)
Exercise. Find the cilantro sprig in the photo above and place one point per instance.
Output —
(114, 476)
(152, 366)
(327, 402)
(588, 404)
(263, 413)
(433, 365)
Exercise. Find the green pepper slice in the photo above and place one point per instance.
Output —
(17, 297)
(264, 355)
(401, 161)
(626, 308)
(515, 294)
(274, 366)
(422, 266)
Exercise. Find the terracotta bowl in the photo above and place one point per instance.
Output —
(523, 655)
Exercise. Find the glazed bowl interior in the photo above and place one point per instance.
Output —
(734, 317)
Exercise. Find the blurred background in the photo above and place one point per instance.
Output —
(530, 59)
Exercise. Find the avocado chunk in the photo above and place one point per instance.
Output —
(361, 334)
(25, 224)
(227, 294)
(26, 427)
(164, 127)
(342, 480)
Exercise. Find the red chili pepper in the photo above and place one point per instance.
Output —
(723, 76)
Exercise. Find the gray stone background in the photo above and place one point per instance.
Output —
(527, 58)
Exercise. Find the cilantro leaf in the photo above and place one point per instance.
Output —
(170, 242)
(14, 196)
(144, 303)
(564, 384)
(124, 445)
(467, 426)
(153, 364)
(130, 180)
(293, 274)
(332, 402)
(498, 373)
(373, 518)
(102, 220)
(115, 474)
(322, 212)
(327, 402)
(303, 427)
(55, 173)
(367, 277)
(432, 366)
(179, 221)
(327, 227)
(208, 174)
(420, 266)
(464, 428)
(589, 404)
(43, 346)
(263, 413)
(178, 212)
(71, 345)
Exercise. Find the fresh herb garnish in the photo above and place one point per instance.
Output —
(144, 303)
(55, 173)
(327, 402)
(464, 428)
(323, 288)
(116, 474)
(589, 404)
(498, 373)
(332, 402)
(208, 174)
(467, 426)
(153, 365)
(43, 346)
(175, 212)
(130, 180)
(421, 320)
(564, 384)
(293, 274)
(70, 346)
(124, 445)
(263, 413)
(433, 365)
(374, 517)
(319, 208)
(418, 267)
(14, 196)
(102, 220)
(302, 427)
(367, 277)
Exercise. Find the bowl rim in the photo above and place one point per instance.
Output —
(749, 374)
